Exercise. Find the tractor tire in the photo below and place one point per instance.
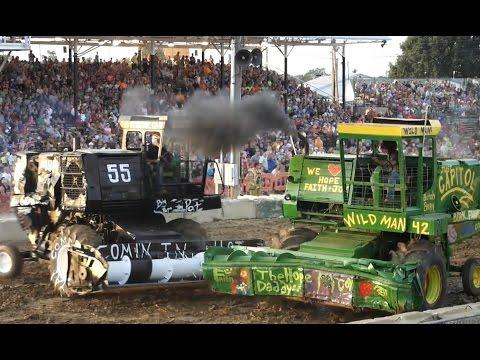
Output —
(63, 238)
(191, 231)
(432, 273)
(471, 277)
(292, 239)
(279, 237)
(11, 262)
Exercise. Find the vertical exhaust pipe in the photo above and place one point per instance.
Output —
(76, 143)
(304, 142)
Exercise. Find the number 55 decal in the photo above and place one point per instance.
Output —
(113, 173)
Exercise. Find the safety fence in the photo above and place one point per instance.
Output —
(4, 203)
(270, 183)
(209, 186)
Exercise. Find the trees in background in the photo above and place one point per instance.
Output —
(438, 56)
(312, 74)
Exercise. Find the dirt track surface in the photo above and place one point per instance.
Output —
(29, 299)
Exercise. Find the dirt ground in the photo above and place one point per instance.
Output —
(29, 299)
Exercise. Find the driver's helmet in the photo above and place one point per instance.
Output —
(388, 145)
(370, 113)
(155, 140)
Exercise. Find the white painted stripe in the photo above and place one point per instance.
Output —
(163, 270)
(442, 315)
(119, 271)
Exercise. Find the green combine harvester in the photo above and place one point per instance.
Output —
(381, 224)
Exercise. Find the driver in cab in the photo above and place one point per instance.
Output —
(389, 166)
(153, 146)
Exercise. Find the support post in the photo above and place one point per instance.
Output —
(334, 95)
(285, 81)
(235, 96)
(343, 77)
(139, 59)
(222, 66)
(266, 58)
(5, 59)
(152, 66)
(203, 56)
(75, 78)
(70, 57)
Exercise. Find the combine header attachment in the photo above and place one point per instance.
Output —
(333, 280)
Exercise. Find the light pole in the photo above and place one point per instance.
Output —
(75, 78)
(235, 96)
(343, 76)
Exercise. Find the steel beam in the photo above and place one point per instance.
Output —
(235, 96)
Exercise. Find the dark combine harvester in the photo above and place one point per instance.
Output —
(97, 215)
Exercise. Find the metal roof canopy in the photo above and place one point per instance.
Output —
(388, 128)
(206, 41)
(136, 41)
(14, 43)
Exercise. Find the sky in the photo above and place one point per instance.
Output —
(368, 59)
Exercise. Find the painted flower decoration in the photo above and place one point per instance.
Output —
(451, 234)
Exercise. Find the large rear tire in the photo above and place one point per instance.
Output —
(471, 277)
(292, 239)
(188, 228)
(11, 262)
(432, 274)
(191, 231)
(62, 239)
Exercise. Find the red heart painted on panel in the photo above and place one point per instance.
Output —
(334, 169)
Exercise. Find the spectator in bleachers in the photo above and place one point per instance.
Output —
(37, 113)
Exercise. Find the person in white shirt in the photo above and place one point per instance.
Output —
(263, 160)
(7, 176)
(10, 159)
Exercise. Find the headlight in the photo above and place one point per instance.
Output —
(290, 179)
(288, 197)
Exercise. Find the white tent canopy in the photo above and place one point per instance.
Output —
(323, 86)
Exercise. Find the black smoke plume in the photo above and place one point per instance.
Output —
(135, 101)
(212, 123)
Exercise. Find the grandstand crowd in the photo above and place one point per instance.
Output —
(37, 112)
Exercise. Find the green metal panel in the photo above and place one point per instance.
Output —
(295, 170)
(321, 181)
(468, 162)
(458, 232)
(329, 286)
(342, 243)
(466, 215)
(315, 180)
(286, 281)
(429, 201)
(458, 178)
(330, 279)
(374, 220)
(382, 297)
(386, 297)
(233, 280)
(375, 178)
(429, 224)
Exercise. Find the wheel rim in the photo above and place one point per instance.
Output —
(62, 264)
(476, 276)
(433, 285)
(5, 263)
